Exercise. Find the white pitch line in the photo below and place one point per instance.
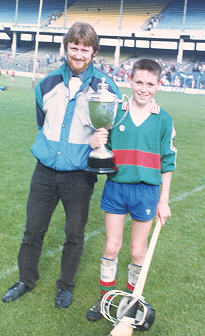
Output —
(49, 253)
(189, 193)
(53, 251)
(9, 271)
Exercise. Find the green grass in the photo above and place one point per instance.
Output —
(175, 283)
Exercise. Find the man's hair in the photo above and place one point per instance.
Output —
(82, 32)
(149, 65)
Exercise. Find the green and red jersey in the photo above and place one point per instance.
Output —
(143, 152)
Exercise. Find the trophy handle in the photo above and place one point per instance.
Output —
(124, 97)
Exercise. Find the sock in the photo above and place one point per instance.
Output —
(133, 274)
(108, 272)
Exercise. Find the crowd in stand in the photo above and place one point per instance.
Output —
(190, 75)
(152, 22)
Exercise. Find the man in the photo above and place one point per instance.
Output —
(145, 156)
(61, 149)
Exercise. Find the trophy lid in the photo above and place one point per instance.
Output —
(102, 95)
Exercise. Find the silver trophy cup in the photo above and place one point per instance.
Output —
(103, 107)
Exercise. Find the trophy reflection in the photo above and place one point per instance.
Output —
(103, 107)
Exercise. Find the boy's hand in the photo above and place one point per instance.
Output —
(163, 212)
(99, 138)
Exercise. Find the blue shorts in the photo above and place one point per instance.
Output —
(140, 199)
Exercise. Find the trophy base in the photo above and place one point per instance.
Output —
(101, 166)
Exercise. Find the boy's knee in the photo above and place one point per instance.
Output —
(137, 253)
(112, 249)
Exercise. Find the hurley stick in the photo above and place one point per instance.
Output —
(123, 327)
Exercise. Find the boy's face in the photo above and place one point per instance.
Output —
(144, 84)
(79, 56)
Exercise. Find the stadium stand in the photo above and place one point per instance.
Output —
(162, 17)
(172, 15)
(105, 14)
(137, 14)
(28, 11)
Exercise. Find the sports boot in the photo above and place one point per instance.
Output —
(16, 291)
(94, 313)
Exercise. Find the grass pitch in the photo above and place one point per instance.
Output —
(175, 283)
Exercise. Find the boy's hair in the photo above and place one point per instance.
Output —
(149, 65)
(82, 32)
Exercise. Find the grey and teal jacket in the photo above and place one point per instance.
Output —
(63, 139)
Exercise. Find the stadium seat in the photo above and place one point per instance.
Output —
(105, 14)
(28, 11)
(172, 16)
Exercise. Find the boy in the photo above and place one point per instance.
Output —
(145, 157)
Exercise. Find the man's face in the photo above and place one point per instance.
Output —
(144, 84)
(79, 56)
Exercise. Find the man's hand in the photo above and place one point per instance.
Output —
(99, 138)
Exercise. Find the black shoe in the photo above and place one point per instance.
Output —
(63, 298)
(94, 313)
(13, 293)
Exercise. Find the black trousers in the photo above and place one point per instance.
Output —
(48, 186)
